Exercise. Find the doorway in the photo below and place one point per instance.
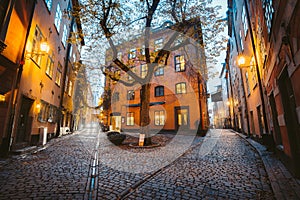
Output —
(24, 121)
(182, 118)
(290, 117)
(276, 126)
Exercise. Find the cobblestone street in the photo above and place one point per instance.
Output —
(221, 165)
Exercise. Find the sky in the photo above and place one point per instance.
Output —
(212, 83)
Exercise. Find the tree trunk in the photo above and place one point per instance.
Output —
(144, 113)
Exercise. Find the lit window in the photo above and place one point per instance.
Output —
(130, 95)
(64, 36)
(180, 88)
(130, 119)
(253, 72)
(70, 90)
(50, 64)
(66, 83)
(132, 54)
(144, 69)
(58, 16)
(179, 63)
(268, 8)
(58, 74)
(158, 44)
(159, 91)
(49, 4)
(37, 39)
(159, 117)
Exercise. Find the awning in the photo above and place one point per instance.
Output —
(151, 104)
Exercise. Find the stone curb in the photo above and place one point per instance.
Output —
(284, 185)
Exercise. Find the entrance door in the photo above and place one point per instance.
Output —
(182, 118)
(290, 117)
(278, 139)
(24, 121)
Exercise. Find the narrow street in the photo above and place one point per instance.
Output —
(221, 165)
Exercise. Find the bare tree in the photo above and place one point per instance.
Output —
(121, 21)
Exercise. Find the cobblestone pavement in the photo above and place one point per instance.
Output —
(59, 171)
(221, 165)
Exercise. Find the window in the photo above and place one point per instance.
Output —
(57, 18)
(70, 52)
(244, 21)
(144, 69)
(64, 36)
(50, 64)
(130, 119)
(159, 71)
(116, 97)
(130, 95)
(47, 113)
(142, 50)
(241, 41)
(159, 91)
(253, 72)
(158, 44)
(179, 63)
(159, 117)
(180, 88)
(49, 4)
(58, 74)
(132, 54)
(247, 83)
(119, 56)
(37, 39)
(66, 83)
(70, 90)
(268, 8)
(129, 78)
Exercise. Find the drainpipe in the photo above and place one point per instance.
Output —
(15, 90)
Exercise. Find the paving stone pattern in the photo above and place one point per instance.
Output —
(58, 172)
(219, 166)
(232, 170)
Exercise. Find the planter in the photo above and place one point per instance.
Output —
(115, 137)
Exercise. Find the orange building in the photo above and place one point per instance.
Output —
(12, 45)
(178, 98)
(46, 73)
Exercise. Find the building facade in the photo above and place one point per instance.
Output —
(178, 97)
(266, 34)
(44, 82)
